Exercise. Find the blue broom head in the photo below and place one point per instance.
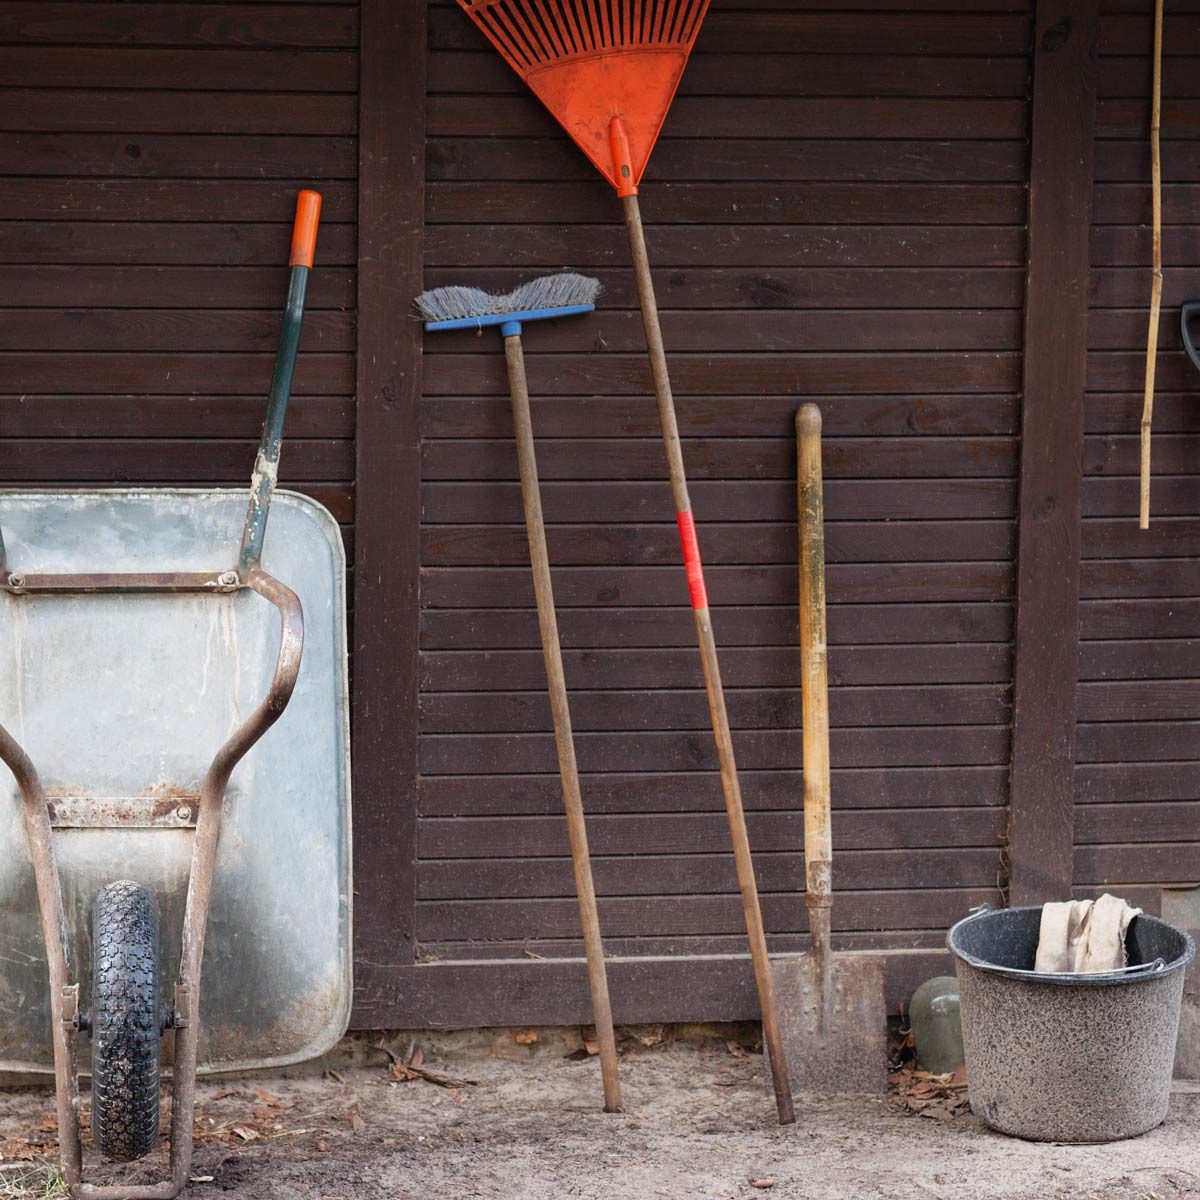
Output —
(563, 295)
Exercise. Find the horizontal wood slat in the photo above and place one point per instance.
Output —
(180, 68)
(194, 200)
(167, 287)
(584, 587)
(765, 625)
(772, 666)
(740, 458)
(705, 914)
(696, 791)
(523, 991)
(82, 23)
(50, 109)
(921, 244)
(834, 32)
(1137, 774)
(750, 708)
(691, 874)
(469, 752)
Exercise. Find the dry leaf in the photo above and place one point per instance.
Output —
(416, 1058)
(357, 1123)
(762, 1184)
(245, 1133)
(591, 1046)
(322, 1146)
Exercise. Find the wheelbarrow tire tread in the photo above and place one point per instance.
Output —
(126, 1021)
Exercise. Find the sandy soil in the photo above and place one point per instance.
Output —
(698, 1123)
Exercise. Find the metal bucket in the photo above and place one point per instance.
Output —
(1071, 1057)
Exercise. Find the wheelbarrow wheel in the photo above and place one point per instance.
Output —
(126, 1022)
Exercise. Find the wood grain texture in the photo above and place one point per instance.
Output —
(1046, 661)
(1137, 769)
(808, 241)
(521, 991)
(387, 478)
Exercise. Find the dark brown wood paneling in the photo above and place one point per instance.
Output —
(152, 153)
(1138, 768)
(808, 241)
(518, 990)
(1046, 660)
(388, 483)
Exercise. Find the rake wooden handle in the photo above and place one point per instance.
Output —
(708, 660)
(561, 715)
(814, 678)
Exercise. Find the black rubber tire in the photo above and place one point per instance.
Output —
(126, 1021)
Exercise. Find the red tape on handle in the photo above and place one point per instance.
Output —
(691, 559)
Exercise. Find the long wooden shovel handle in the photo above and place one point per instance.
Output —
(560, 712)
(772, 1036)
(814, 678)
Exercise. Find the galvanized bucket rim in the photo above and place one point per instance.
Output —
(1067, 978)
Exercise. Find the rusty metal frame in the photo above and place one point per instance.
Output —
(217, 582)
(64, 989)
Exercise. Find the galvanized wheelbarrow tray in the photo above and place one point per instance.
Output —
(142, 657)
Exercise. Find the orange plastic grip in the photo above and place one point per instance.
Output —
(691, 559)
(304, 231)
(622, 156)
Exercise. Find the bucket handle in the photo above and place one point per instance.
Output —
(1159, 964)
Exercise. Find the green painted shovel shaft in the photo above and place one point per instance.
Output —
(266, 465)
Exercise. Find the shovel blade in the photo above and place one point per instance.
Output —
(838, 1047)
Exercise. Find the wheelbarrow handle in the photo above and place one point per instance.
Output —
(304, 228)
(1186, 313)
(266, 465)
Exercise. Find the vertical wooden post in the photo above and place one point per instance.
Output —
(1042, 782)
(387, 495)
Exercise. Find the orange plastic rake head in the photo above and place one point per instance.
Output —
(606, 69)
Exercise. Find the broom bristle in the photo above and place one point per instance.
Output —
(550, 291)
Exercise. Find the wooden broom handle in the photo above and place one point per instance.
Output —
(708, 660)
(563, 740)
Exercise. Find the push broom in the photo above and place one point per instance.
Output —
(608, 70)
(469, 308)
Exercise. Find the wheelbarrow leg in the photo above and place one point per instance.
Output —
(64, 994)
(204, 857)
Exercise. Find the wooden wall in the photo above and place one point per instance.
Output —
(838, 210)
(149, 160)
(1138, 757)
(809, 244)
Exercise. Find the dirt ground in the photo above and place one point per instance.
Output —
(500, 1114)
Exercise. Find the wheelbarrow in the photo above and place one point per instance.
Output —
(119, 684)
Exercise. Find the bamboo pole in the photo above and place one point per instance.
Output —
(563, 739)
(1157, 278)
(751, 910)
